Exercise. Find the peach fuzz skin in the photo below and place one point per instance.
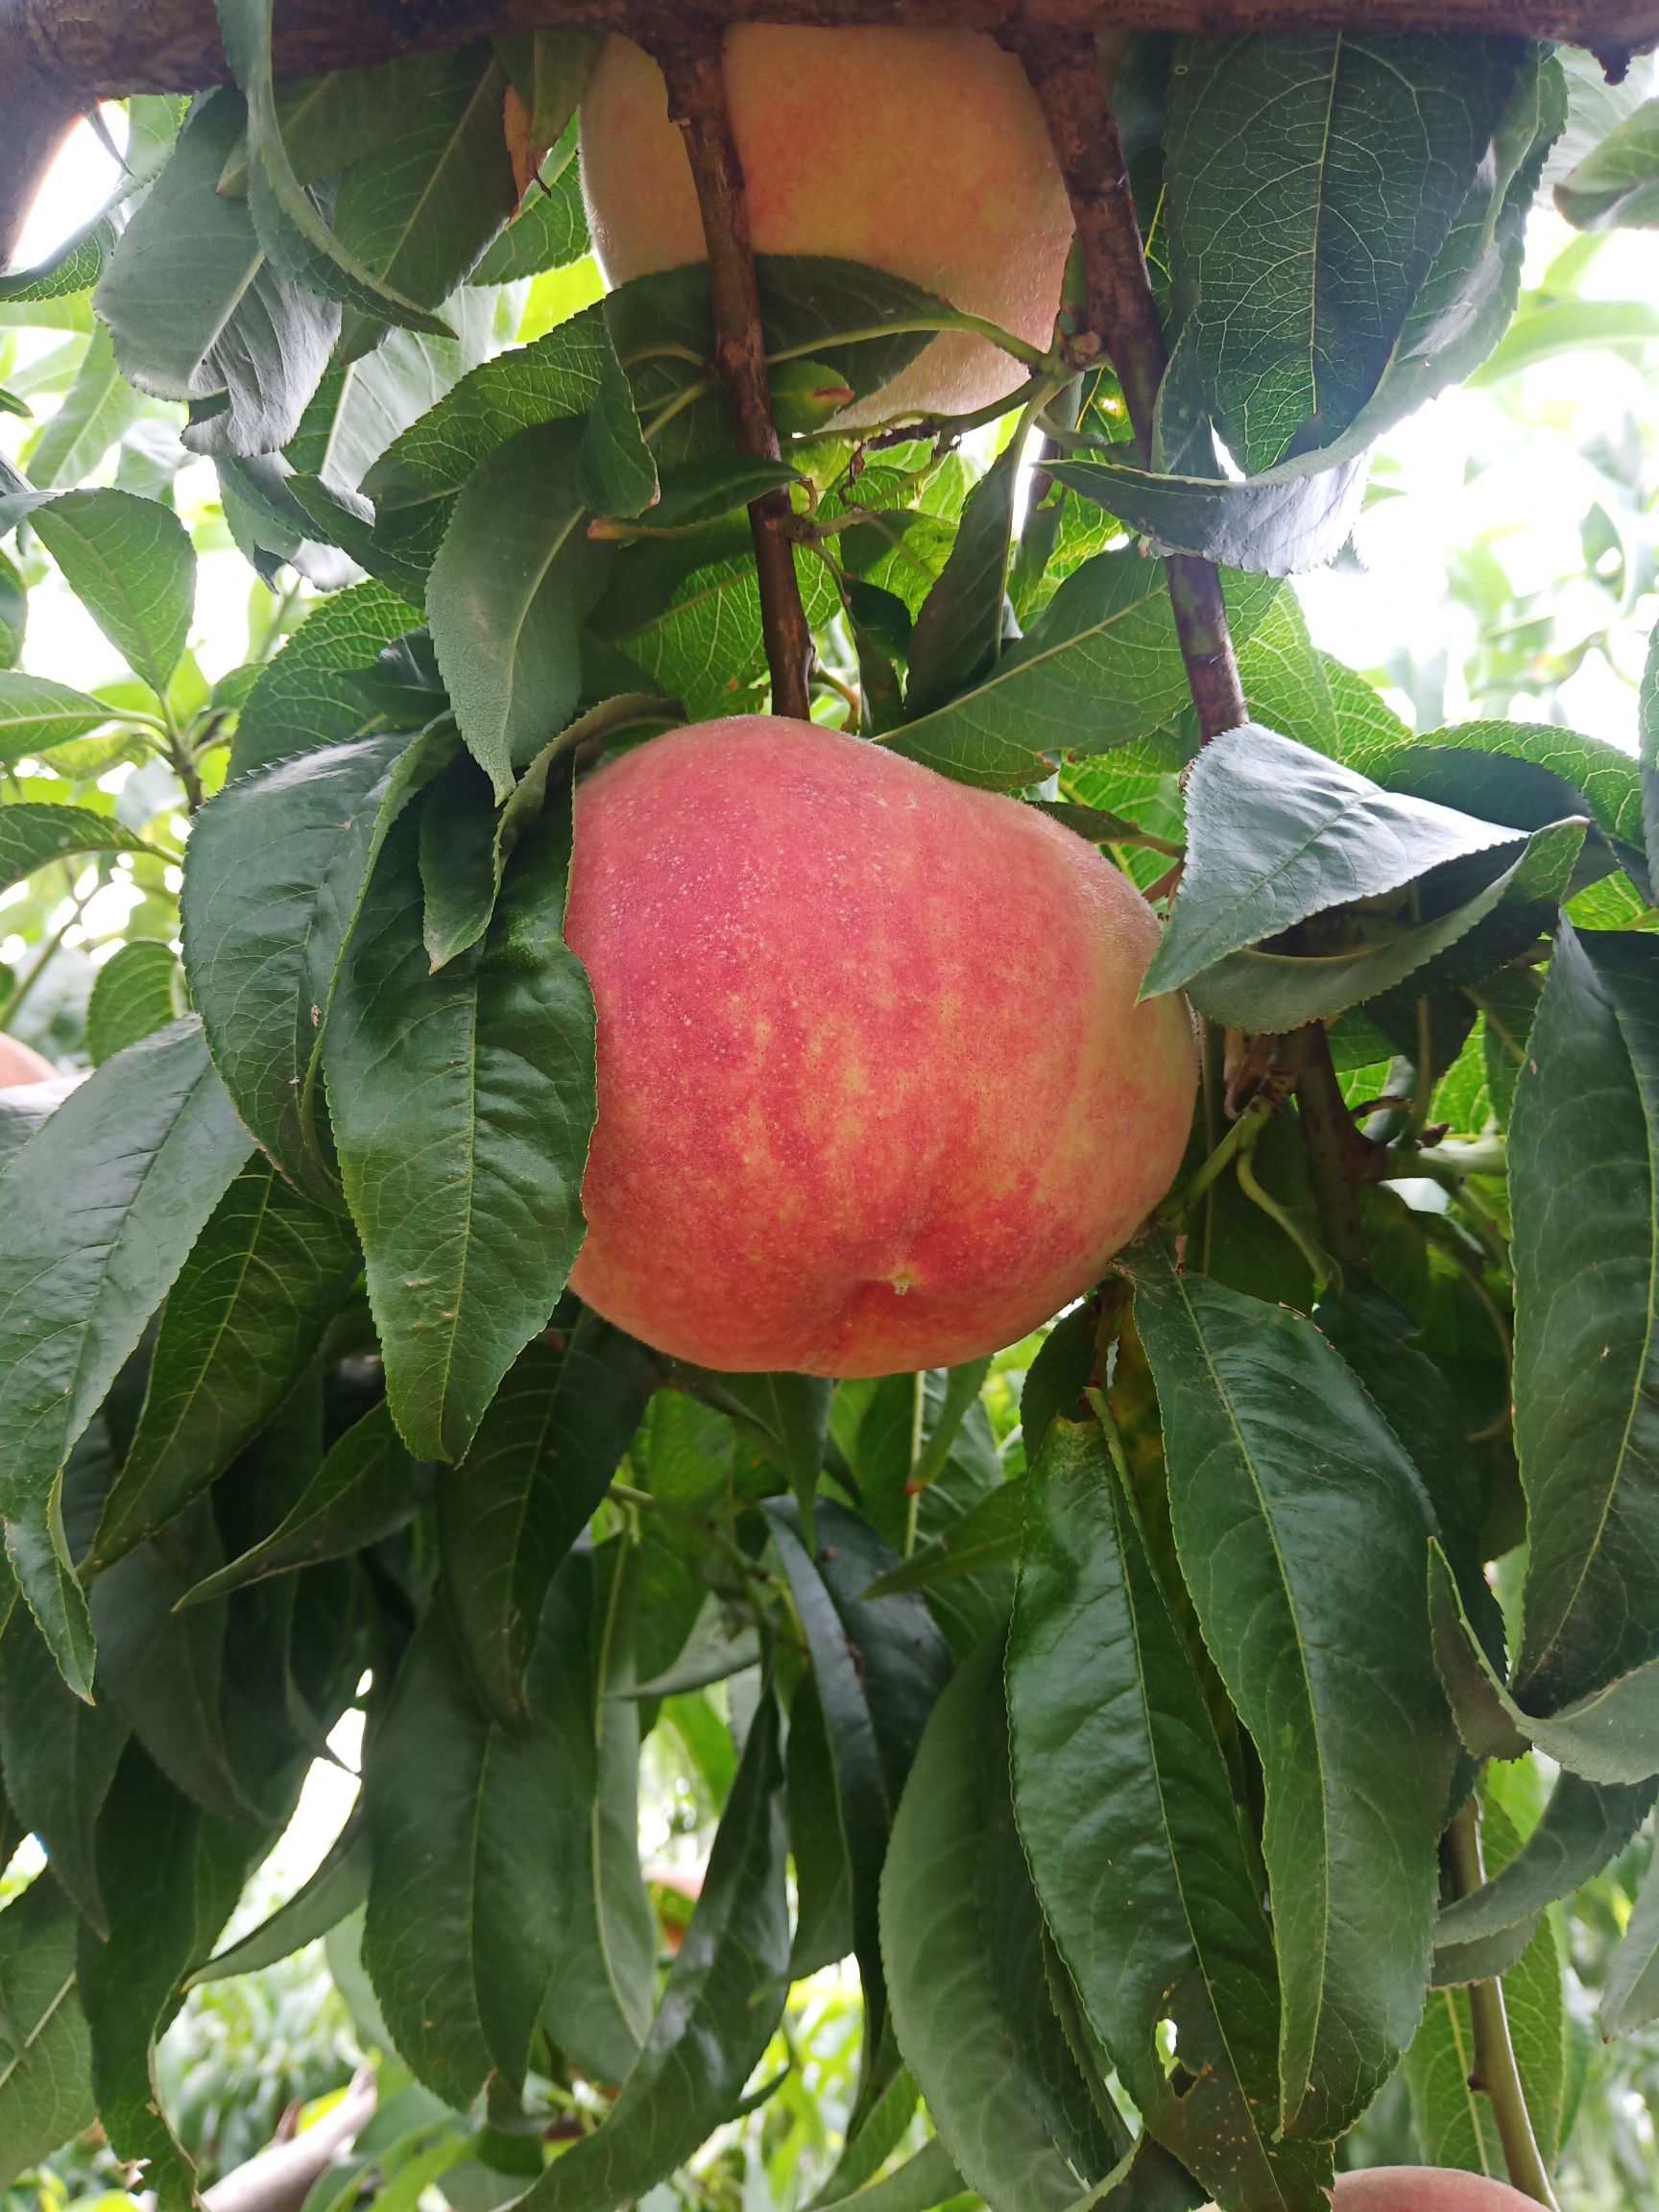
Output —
(21, 1064)
(919, 152)
(1425, 2189)
(875, 1091)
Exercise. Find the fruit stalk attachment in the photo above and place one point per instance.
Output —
(1496, 2071)
(695, 74)
(1119, 321)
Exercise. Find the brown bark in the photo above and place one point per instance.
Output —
(692, 66)
(106, 48)
(1119, 319)
(59, 55)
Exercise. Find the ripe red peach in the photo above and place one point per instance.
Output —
(875, 1089)
(20, 1063)
(919, 152)
(1425, 2189)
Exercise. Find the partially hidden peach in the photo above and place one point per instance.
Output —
(875, 1091)
(20, 1063)
(919, 152)
(1425, 2189)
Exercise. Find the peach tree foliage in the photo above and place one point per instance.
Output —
(1121, 1747)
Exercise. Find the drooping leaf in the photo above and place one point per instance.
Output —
(1381, 1341)
(958, 632)
(59, 1756)
(240, 1326)
(364, 1490)
(961, 1933)
(1127, 1814)
(196, 310)
(540, 1463)
(1586, 1285)
(170, 1875)
(131, 563)
(1583, 1827)
(1280, 1471)
(1277, 834)
(324, 261)
(787, 1419)
(162, 1669)
(879, 1667)
(477, 1838)
(275, 880)
(338, 1888)
(1285, 520)
(45, 2065)
(137, 992)
(418, 213)
(823, 1874)
(723, 2000)
(97, 1215)
(515, 575)
(462, 1106)
(597, 2010)
(1296, 256)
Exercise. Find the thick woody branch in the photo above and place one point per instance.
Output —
(111, 47)
(696, 83)
(1120, 319)
(57, 56)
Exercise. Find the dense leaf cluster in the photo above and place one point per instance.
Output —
(1115, 1747)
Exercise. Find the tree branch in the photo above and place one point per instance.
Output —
(1120, 319)
(280, 2178)
(696, 80)
(58, 57)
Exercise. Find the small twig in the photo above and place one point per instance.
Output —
(1321, 1264)
(1496, 2073)
(696, 80)
(1120, 319)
